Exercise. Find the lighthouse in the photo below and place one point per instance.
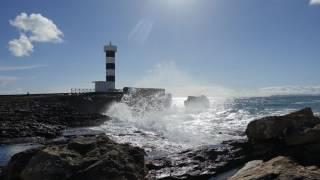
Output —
(110, 51)
(110, 84)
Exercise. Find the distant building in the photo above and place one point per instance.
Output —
(110, 84)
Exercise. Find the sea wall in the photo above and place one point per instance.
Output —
(84, 103)
(91, 102)
(37, 117)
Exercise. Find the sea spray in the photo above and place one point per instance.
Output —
(168, 123)
(170, 128)
(176, 128)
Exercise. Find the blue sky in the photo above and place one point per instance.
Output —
(221, 46)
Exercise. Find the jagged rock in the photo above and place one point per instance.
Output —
(212, 161)
(279, 168)
(278, 127)
(202, 163)
(197, 102)
(81, 158)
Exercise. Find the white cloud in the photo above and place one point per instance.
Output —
(41, 29)
(16, 68)
(33, 28)
(21, 47)
(141, 31)
(315, 2)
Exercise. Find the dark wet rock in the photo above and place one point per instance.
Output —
(2, 176)
(82, 131)
(304, 136)
(18, 163)
(197, 102)
(279, 127)
(80, 158)
(21, 140)
(213, 161)
(223, 159)
(280, 168)
(201, 163)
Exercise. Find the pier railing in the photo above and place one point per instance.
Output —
(81, 91)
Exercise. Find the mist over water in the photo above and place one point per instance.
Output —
(178, 128)
(182, 83)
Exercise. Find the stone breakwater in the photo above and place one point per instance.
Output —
(38, 117)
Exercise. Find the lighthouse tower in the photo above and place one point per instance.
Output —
(110, 51)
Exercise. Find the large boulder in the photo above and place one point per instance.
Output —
(280, 168)
(197, 102)
(279, 127)
(81, 158)
(304, 136)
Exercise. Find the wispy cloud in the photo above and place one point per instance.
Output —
(141, 31)
(315, 2)
(33, 28)
(4, 80)
(16, 68)
(181, 83)
(290, 90)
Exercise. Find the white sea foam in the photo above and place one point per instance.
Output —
(177, 128)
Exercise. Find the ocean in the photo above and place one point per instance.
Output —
(177, 128)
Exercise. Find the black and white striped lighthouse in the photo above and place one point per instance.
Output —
(110, 51)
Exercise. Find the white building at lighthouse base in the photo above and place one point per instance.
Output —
(100, 86)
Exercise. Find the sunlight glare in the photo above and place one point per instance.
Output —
(177, 4)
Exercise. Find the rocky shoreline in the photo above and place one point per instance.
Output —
(37, 118)
(230, 156)
(277, 147)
